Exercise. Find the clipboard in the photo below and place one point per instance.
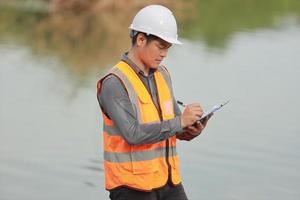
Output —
(212, 110)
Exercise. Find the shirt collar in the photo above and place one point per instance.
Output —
(126, 59)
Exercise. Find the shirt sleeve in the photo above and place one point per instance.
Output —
(115, 102)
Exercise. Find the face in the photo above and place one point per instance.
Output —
(153, 52)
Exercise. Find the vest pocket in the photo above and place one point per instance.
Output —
(145, 167)
(147, 109)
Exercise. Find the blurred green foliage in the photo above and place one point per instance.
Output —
(215, 21)
(18, 24)
(99, 33)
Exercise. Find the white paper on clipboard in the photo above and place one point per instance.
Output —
(212, 110)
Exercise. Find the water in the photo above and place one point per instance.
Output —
(50, 132)
(50, 124)
(250, 147)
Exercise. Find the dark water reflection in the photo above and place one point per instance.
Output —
(50, 125)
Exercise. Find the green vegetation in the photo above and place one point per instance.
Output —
(215, 21)
(87, 33)
(18, 24)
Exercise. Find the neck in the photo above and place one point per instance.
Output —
(134, 56)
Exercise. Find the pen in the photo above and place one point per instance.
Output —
(181, 103)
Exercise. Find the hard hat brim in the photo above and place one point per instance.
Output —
(171, 40)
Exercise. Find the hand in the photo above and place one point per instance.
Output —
(205, 120)
(191, 114)
(198, 127)
(191, 132)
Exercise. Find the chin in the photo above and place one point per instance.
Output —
(155, 66)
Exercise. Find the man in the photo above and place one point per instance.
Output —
(141, 117)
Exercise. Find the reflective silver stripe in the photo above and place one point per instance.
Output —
(137, 156)
(166, 76)
(111, 130)
(173, 151)
(131, 92)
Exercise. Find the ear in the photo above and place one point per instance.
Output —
(141, 40)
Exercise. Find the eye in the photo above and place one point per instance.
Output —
(161, 46)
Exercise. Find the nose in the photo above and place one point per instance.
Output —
(163, 52)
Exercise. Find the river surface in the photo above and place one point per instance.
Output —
(50, 122)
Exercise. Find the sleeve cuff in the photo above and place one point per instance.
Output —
(175, 125)
(171, 127)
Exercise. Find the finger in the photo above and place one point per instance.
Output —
(192, 129)
(194, 109)
(205, 121)
(197, 111)
(195, 105)
(199, 125)
(210, 115)
(198, 114)
(196, 118)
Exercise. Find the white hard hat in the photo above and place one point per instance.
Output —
(156, 20)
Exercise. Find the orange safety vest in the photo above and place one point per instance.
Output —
(146, 166)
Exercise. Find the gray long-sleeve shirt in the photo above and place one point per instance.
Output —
(115, 102)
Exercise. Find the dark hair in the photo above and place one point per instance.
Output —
(149, 37)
